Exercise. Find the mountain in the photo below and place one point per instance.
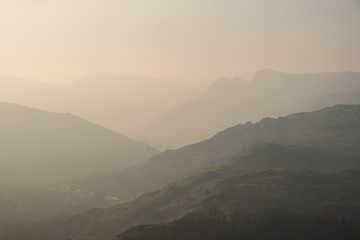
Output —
(310, 146)
(120, 103)
(267, 224)
(227, 102)
(300, 178)
(41, 147)
(163, 111)
(332, 128)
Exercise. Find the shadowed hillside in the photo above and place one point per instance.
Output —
(335, 128)
(42, 147)
(267, 224)
(242, 174)
(251, 181)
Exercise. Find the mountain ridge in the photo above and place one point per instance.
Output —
(49, 140)
(333, 128)
(228, 187)
(228, 102)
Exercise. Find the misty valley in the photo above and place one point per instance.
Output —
(179, 120)
(277, 157)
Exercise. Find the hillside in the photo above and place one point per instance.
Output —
(267, 224)
(334, 128)
(43, 147)
(325, 140)
(120, 103)
(227, 102)
(262, 176)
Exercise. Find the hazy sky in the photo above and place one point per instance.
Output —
(62, 40)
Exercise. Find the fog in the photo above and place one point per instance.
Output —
(122, 64)
(238, 115)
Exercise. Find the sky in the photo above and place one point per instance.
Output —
(62, 40)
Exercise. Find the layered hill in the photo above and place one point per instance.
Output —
(120, 103)
(332, 139)
(303, 179)
(333, 128)
(227, 102)
(41, 147)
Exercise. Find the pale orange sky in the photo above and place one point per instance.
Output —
(62, 40)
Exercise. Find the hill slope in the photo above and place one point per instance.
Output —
(120, 103)
(38, 146)
(266, 224)
(335, 128)
(253, 179)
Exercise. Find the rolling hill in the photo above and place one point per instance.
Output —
(299, 161)
(333, 128)
(120, 103)
(264, 176)
(42, 147)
